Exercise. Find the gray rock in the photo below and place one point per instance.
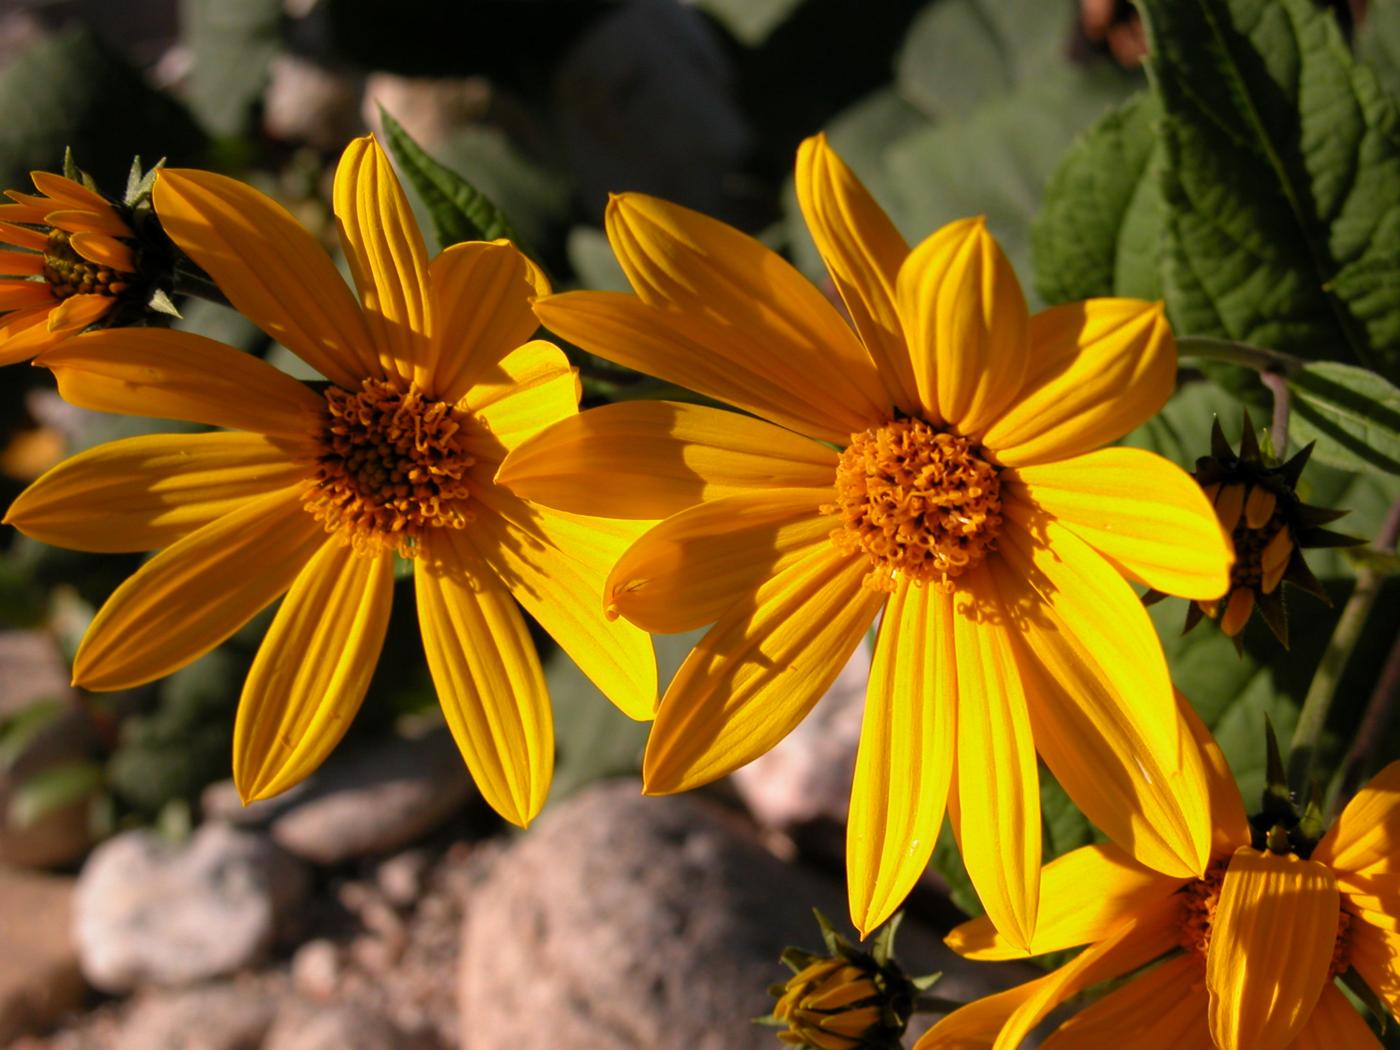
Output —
(229, 1016)
(39, 978)
(654, 924)
(375, 800)
(149, 912)
(340, 1027)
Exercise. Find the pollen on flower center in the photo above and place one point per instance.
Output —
(1200, 897)
(392, 464)
(916, 501)
(68, 273)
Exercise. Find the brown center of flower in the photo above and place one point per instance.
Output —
(916, 501)
(391, 466)
(1201, 897)
(68, 273)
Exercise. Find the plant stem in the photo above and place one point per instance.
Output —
(1323, 690)
(1278, 430)
(199, 286)
(1231, 353)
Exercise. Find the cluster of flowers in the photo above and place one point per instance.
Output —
(936, 461)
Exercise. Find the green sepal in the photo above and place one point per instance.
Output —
(1312, 823)
(1278, 800)
(1358, 987)
(161, 303)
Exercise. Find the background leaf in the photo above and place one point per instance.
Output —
(231, 50)
(1352, 413)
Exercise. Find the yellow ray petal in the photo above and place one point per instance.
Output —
(312, 669)
(1270, 947)
(680, 259)
(650, 459)
(1162, 1009)
(1100, 368)
(15, 295)
(976, 1025)
(270, 268)
(518, 396)
(82, 220)
(1084, 894)
(1229, 823)
(104, 250)
(998, 783)
(143, 493)
(13, 211)
(966, 324)
(25, 333)
(481, 312)
(555, 565)
(758, 671)
(385, 250)
(77, 312)
(1375, 955)
(1366, 837)
(74, 194)
(1149, 934)
(487, 674)
(22, 236)
(701, 353)
(905, 761)
(1104, 713)
(1335, 1025)
(687, 571)
(178, 375)
(863, 253)
(197, 592)
(21, 264)
(1141, 511)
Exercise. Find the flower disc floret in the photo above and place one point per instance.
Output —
(917, 501)
(392, 465)
(68, 273)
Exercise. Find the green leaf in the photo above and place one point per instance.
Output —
(20, 730)
(1352, 413)
(1281, 178)
(1378, 44)
(1099, 230)
(53, 789)
(750, 21)
(458, 210)
(231, 50)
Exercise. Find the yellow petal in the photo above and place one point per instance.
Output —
(518, 396)
(312, 669)
(1375, 955)
(1270, 948)
(650, 459)
(15, 295)
(1335, 1025)
(178, 375)
(693, 264)
(1364, 838)
(1144, 513)
(487, 674)
(687, 571)
(976, 1025)
(22, 264)
(1099, 369)
(104, 250)
(966, 324)
(1105, 716)
(905, 761)
(270, 268)
(74, 194)
(481, 312)
(22, 236)
(702, 353)
(25, 333)
(77, 312)
(998, 813)
(384, 248)
(1149, 934)
(555, 565)
(758, 671)
(863, 253)
(1229, 823)
(1084, 894)
(197, 592)
(143, 493)
(1161, 1009)
(83, 220)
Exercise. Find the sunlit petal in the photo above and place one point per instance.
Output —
(1335, 1025)
(1366, 837)
(1161, 1009)
(519, 395)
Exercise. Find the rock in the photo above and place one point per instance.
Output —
(654, 924)
(806, 778)
(375, 800)
(306, 102)
(428, 108)
(400, 877)
(39, 976)
(316, 968)
(335, 1028)
(148, 912)
(31, 669)
(231, 1016)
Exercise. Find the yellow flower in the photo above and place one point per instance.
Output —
(968, 504)
(65, 263)
(1246, 956)
(432, 379)
(831, 1005)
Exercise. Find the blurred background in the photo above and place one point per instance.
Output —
(381, 904)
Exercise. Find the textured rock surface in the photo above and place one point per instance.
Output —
(148, 912)
(656, 924)
(375, 800)
(39, 977)
(232, 1016)
(300, 1027)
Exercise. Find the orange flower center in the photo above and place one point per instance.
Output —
(68, 273)
(391, 466)
(1200, 898)
(916, 501)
